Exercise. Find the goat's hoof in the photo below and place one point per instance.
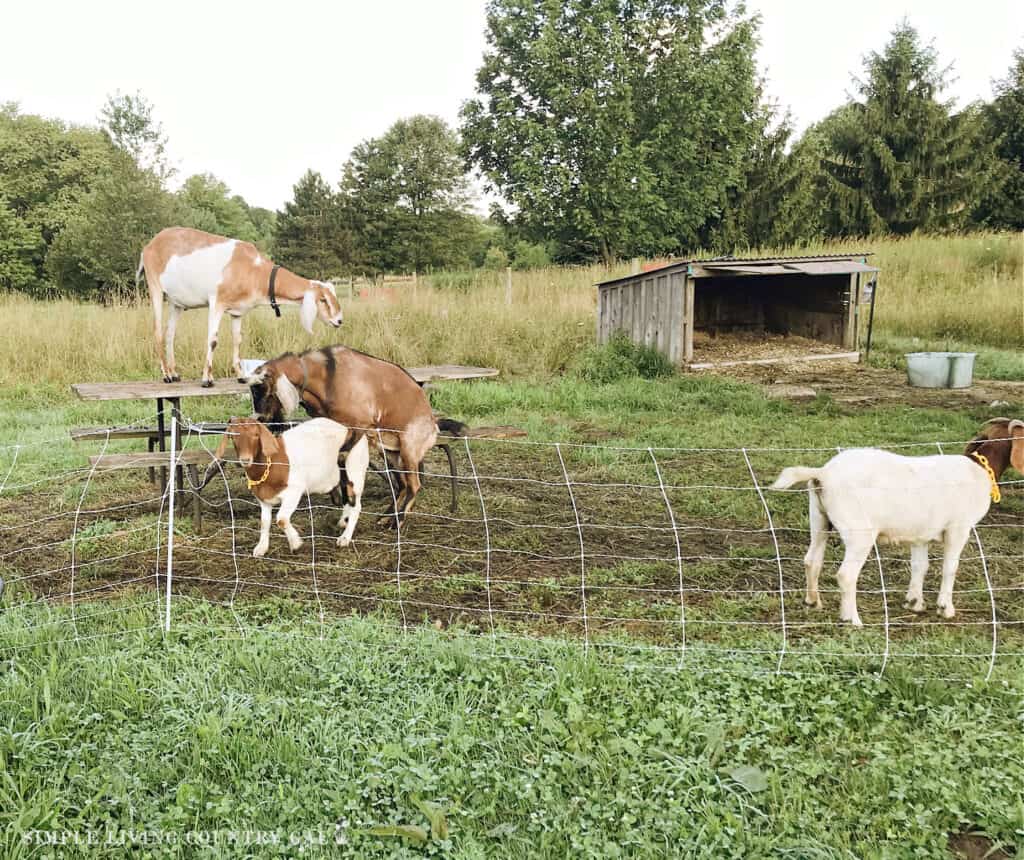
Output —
(812, 604)
(344, 541)
(169, 379)
(240, 379)
(259, 551)
(945, 611)
(207, 383)
(915, 606)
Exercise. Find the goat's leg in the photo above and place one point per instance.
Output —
(412, 488)
(236, 344)
(858, 545)
(289, 502)
(918, 568)
(216, 312)
(173, 312)
(953, 545)
(815, 557)
(356, 464)
(156, 298)
(266, 512)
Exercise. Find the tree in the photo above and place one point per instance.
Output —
(311, 235)
(409, 193)
(614, 126)
(19, 247)
(46, 168)
(97, 252)
(1003, 207)
(206, 204)
(915, 163)
(129, 122)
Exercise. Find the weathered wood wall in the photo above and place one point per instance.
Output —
(650, 309)
(662, 309)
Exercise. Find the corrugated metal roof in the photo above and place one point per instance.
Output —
(767, 265)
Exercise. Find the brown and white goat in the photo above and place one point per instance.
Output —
(361, 391)
(196, 269)
(282, 469)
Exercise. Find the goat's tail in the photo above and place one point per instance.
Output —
(138, 272)
(451, 427)
(795, 475)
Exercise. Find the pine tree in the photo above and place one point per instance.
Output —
(1003, 207)
(915, 163)
(311, 236)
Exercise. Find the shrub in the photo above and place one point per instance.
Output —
(620, 358)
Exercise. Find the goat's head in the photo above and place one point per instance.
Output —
(320, 300)
(252, 440)
(1001, 442)
(274, 395)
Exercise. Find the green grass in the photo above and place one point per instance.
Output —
(535, 750)
(517, 746)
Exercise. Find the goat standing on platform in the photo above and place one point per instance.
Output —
(868, 495)
(196, 269)
(282, 469)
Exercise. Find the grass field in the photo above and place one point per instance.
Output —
(933, 293)
(485, 729)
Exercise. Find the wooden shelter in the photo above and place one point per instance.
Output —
(818, 298)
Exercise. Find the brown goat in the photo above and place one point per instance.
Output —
(1001, 442)
(361, 392)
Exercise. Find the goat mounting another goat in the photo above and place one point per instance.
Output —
(196, 269)
(304, 459)
(357, 390)
(868, 495)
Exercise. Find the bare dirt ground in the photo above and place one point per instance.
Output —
(513, 558)
(858, 386)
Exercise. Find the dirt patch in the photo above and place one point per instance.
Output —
(975, 846)
(859, 386)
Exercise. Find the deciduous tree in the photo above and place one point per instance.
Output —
(615, 126)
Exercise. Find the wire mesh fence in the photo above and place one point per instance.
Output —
(678, 558)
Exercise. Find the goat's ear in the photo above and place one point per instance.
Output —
(307, 313)
(267, 441)
(1016, 431)
(287, 393)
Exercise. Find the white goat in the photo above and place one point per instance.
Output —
(868, 495)
(304, 459)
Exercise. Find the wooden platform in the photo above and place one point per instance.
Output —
(148, 459)
(223, 387)
(842, 356)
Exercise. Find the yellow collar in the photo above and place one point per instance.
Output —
(266, 474)
(983, 462)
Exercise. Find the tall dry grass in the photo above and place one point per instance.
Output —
(960, 288)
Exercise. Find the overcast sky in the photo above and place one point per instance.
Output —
(256, 93)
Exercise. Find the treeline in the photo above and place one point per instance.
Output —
(611, 130)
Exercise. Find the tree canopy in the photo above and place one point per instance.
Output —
(614, 126)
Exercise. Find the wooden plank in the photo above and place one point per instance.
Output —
(148, 459)
(650, 305)
(627, 308)
(675, 325)
(663, 313)
(81, 434)
(688, 301)
(844, 356)
(636, 311)
(231, 386)
(850, 324)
